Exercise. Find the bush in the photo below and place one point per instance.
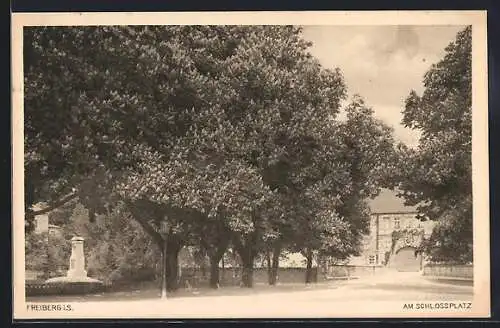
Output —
(117, 250)
(46, 253)
(35, 248)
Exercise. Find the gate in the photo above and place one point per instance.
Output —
(407, 259)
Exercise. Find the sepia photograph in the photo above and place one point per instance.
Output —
(250, 165)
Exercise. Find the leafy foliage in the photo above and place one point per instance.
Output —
(443, 245)
(36, 252)
(117, 249)
(221, 131)
(437, 175)
(367, 144)
(47, 253)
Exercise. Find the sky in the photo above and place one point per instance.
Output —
(382, 63)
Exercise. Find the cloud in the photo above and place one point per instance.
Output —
(382, 63)
(401, 40)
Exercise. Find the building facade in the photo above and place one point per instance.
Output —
(42, 226)
(394, 236)
(393, 241)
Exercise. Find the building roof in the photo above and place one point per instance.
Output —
(388, 202)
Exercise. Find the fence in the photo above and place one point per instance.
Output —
(38, 288)
(462, 271)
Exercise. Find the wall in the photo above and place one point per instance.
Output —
(33, 275)
(343, 271)
(232, 276)
(41, 223)
(295, 260)
(464, 271)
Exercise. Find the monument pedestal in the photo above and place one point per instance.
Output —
(77, 259)
(76, 272)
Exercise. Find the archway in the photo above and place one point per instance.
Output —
(407, 259)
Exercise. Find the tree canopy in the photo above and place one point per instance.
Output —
(225, 132)
(437, 175)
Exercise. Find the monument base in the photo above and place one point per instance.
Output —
(71, 279)
(69, 286)
(76, 273)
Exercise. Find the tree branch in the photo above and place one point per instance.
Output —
(54, 205)
(145, 225)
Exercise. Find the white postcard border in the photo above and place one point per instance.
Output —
(481, 301)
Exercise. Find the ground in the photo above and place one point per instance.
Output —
(363, 295)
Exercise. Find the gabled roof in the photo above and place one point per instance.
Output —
(388, 202)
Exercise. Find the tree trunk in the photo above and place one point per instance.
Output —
(171, 266)
(172, 272)
(274, 266)
(269, 267)
(203, 270)
(214, 272)
(216, 254)
(247, 272)
(247, 254)
(309, 270)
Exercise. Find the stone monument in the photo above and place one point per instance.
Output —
(77, 259)
(76, 272)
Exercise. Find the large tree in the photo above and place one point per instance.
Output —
(279, 103)
(368, 145)
(437, 174)
(215, 130)
(176, 122)
(101, 101)
(92, 95)
(347, 171)
(273, 104)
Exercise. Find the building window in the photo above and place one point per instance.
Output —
(386, 223)
(371, 259)
(396, 223)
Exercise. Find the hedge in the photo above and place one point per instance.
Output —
(67, 288)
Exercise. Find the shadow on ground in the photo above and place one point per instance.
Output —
(451, 281)
(152, 293)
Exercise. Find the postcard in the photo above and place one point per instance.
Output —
(250, 165)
